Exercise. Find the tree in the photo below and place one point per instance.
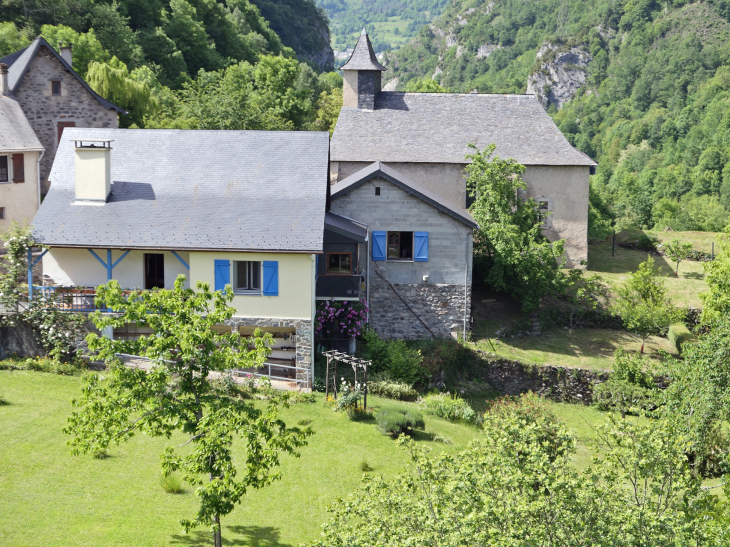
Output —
(642, 304)
(328, 110)
(678, 251)
(179, 394)
(510, 250)
(517, 486)
(716, 300)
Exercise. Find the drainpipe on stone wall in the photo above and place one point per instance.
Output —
(38, 174)
(367, 279)
(466, 281)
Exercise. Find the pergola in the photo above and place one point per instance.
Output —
(334, 357)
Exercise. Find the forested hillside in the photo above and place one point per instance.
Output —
(641, 86)
(188, 63)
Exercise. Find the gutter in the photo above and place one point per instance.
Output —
(38, 174)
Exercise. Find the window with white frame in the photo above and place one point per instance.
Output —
(545, 212)
(247, 276)
(4, 168)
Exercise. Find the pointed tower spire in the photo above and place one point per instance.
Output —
(361, 76)
(363, 57)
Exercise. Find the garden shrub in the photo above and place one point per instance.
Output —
(678, 335)
(393, 421)
(448, 356)
(527, 420)
(358, 413)
(449, 407)
(392, 390)
(43, 364)
(171, 484)
(627, 398)
(394, 357)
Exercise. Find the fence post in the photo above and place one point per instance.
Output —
(30, 273)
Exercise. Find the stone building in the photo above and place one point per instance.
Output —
(53, 96)
(423, 138)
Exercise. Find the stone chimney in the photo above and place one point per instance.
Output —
(4, 85)
(361, 76)
(66, 50)
(93, 171)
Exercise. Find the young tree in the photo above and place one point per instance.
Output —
(179, 395)
(678, 251)
(510, 248)
(642, 303)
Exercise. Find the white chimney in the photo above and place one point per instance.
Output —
(93, 171)
(66, 50)
(4, 86)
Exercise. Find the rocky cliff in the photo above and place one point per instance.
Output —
(562, 71)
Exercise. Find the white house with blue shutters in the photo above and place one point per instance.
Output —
(414, 255)
(244, 209)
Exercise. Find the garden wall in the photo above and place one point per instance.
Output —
(19, 340)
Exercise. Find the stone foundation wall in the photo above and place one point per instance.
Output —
(303, 329)
(438, 307)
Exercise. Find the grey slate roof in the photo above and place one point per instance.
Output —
(436, 127)
(19, 63)
(363, 57)
(16, 133)
(345, 226)
(378, 169)
(194, 190)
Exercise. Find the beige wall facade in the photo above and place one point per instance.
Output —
(78, 267)
(349, 88)
(21, 200)
(44, 111)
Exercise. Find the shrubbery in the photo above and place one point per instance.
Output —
(392, 390)
(393, 421)
(678, 335)
(449, 407)
(396, 359)
(631, 387)
(43, 364)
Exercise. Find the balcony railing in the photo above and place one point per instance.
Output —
(77, 299)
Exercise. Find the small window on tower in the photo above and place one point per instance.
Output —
(545, 212)
(377, 190)
(56, 87)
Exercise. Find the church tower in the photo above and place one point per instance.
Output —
(361, 76)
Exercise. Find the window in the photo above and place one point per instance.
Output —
(62, 125)
(377, 190)
(55, 88)
(545, 212)
(2, 212)
(154, 271)
(4, 169)
(339, 263)
(400, 245)
(247, 276)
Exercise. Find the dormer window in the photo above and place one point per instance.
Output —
(56, 88)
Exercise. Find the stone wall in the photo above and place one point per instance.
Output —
(20, 341)
(420, 311)
(44, 111)
(572, 385)
(303, 329)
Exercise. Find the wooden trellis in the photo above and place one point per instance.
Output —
(357, 364)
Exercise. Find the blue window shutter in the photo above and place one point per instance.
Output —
(420, 240)
(271, 278)
(379, 245)
(222, 274)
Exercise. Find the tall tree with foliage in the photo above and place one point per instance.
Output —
(510, 250)
(179, 395)
(716, 300)
(642, 302)
(678, 251)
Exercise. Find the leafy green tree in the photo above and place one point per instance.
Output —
(698, 395)
(517, 486)
(642, 303)
(716, 300)
(425, 85)
(87, 46)
(678, 251)
(328, 110)
(178, 395)
(11, 39)
(510, 250)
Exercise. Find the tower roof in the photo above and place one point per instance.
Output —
(363, 57)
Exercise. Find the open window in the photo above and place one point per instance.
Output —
(4, 169)
(545, 212)
(339, 263)
(154, 271)
(247, 276)
(400, 245)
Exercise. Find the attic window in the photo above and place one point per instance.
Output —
(377, 190)
(56, 88)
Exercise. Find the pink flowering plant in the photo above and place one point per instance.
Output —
(340, 317)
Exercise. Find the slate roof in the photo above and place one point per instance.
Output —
(19, 63)
(345, 226)
(194, 190)
(16, 133)
(436, 127)
(378, 169)
(363, 57)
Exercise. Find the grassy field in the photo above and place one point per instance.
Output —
(51, 498)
